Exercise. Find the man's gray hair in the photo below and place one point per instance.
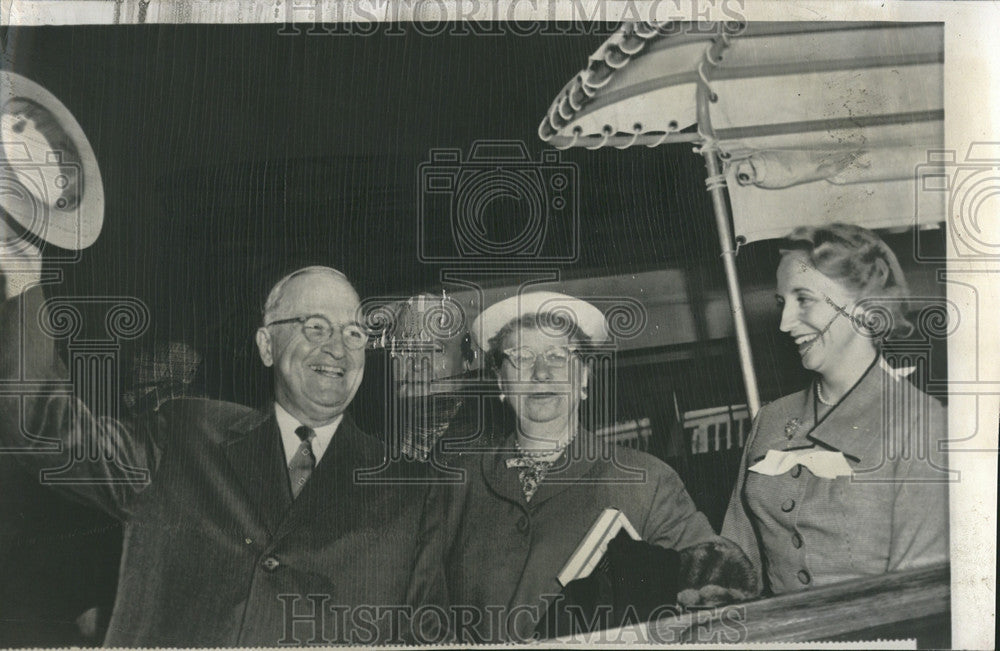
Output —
(274, 296)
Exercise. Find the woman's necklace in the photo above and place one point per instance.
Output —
(538, 455)
(819, 395)
(816, 402)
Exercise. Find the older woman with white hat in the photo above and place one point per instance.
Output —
(526, 505)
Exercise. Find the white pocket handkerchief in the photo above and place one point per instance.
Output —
(822, 463)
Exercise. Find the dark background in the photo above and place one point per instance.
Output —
(233, 154)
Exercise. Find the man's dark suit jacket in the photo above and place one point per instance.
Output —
(216, 552)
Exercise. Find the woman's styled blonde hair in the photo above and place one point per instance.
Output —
(861, 262)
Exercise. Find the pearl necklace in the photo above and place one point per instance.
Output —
(538, 455)
(819, 396)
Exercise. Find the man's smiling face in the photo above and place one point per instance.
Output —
(313, 381)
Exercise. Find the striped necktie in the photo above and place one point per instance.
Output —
(303, 462)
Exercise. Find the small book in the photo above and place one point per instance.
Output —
(592, 548)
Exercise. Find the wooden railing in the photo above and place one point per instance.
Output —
(633, 433)
(716, 428)
(904, 605)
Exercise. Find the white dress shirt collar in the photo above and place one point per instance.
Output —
(287, 424)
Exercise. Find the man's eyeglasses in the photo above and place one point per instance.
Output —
(318, 330)
(524, 357)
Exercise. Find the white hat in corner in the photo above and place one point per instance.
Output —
(50, 183)
(587, 318)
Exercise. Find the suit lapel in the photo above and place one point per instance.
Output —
(848, 427)
(501, 479)
(258, 459)
(331, 490)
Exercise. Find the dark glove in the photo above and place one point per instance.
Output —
(716, 573)
(642, 575)
(632, 580)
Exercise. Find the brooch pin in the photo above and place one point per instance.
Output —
(791, 427)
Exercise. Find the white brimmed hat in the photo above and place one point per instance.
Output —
(50, 183)
(587, 318)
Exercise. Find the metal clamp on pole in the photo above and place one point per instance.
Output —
(716, 183)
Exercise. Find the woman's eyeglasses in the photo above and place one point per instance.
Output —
(318, 330)
(524, 357)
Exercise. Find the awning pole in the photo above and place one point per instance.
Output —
(717, 189)
(716, 183)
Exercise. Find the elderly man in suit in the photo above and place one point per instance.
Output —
(254, 528)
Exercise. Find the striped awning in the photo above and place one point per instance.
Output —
(815, 122)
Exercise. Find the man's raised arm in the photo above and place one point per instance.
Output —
(99, 459)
